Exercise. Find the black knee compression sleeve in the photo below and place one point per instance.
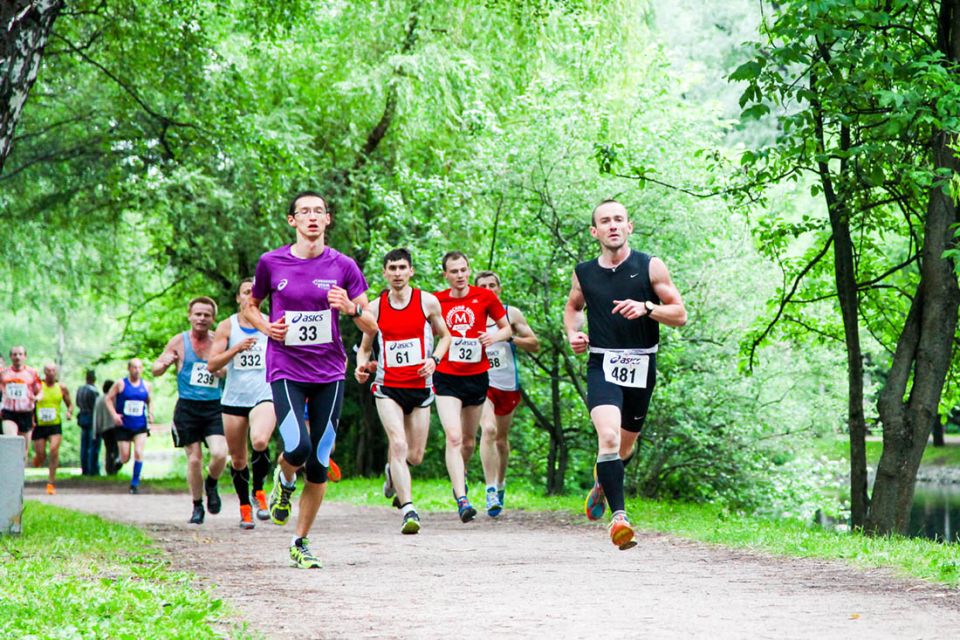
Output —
(241, 482)
(610, 476)
(260, 463)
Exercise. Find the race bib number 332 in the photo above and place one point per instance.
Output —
(308, 327)
(626, 370)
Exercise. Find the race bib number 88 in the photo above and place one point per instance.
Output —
(200, 377)
(465, 350)
(626, 370)
(308, 327)
(403, 353)
(133, 408)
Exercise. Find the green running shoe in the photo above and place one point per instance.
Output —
(280, 499)
(302, 557)
(411, 523)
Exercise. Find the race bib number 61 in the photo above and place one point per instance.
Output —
(403, 353)
(626, 370)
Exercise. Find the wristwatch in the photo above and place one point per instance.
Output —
(650, 307)
(436, 360)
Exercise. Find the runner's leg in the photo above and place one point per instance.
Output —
(449, 412)
(54, 457)
(391, 417)
(489, 456)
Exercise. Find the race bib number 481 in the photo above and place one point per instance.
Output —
(626, 370)
(465, 350)
(403, 353)
(308, 327)
(200, 377)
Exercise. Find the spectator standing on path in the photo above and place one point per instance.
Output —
(103, 426)
(89, 438)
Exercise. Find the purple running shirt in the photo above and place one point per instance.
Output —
(297, 288)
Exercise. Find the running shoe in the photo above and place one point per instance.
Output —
(493, 503)
(246, 516)
(396, 503)
(596, 502)
(280, 500)
(50, 489)
(411, 523)
(500, 495)
(197, 517)
(388, 490)
(621, 533)
(213, 499)
(302, 557)
(260, 499)
(134, 489)
(333, 472)
(467, 513)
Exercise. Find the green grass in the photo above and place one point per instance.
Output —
(77, 576)
(708, 523)
(837, 447)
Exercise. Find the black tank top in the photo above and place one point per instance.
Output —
(630, 279)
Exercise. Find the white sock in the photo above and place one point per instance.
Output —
(407, 508)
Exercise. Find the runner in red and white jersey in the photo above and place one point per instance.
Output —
(21, 387)
(461, 379)
(408, 319)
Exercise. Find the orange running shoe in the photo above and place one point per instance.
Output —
(333, 471)
(246, 516)
(50, 489)
(621, 533)
(263, 511)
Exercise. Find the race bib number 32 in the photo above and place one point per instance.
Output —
(626, 370)
(465, 350)
(200, 377)
(308, 327)
(403, 353)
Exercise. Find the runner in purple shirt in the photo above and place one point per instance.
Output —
(309, 285)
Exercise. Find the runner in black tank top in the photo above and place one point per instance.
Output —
(627, 295)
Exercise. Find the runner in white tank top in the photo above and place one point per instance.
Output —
(247, 405)
(503, 396)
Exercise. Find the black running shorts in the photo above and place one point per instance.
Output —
(633, 402)
(470, 390)
(195, 420)
(44, 431)
(408, 399)
(23, 419)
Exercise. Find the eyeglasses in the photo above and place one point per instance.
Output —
(317, 210)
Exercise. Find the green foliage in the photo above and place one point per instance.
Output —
(110, 581)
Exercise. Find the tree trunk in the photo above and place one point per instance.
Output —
(925, 347)
(26, 29)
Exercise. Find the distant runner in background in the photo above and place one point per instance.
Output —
(89, 439)
(128, 403)
(50, 419)
(21, 388)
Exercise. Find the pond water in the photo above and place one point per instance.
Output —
(936, 512)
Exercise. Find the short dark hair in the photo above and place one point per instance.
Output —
(593, 216)
(453, 255)
(240, 286)
(486, 274)
(202, 300)
(395, 255)
(107, 385)
(91, 376)
(292, 209)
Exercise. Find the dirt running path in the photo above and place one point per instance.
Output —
(527, 575)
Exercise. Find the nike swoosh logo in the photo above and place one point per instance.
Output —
(634, 275)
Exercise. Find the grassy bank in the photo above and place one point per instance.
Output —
(708, 523)
(838, 448)
(76, 576)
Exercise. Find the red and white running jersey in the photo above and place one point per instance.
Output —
(405, 341)
(20, 388)
(466, 318)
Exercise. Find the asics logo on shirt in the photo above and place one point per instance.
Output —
(282, 285)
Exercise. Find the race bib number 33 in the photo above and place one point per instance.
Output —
(465, 350)
(626, 370)
(200, 377)
(308, 327)
(403, 353)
